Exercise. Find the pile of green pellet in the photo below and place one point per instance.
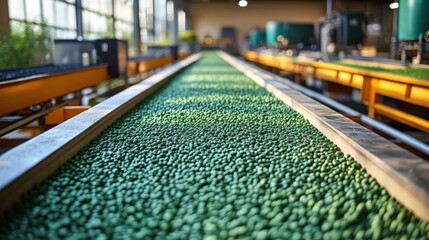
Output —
(211, 156)
(409, 72)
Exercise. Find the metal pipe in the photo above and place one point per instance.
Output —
(328, 9)
(422, 147)
(394, 37)
(79, 24)
(416, 144)
(322, 98)
(136, 32)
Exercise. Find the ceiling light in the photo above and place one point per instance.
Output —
(394, 5)
(242, 3)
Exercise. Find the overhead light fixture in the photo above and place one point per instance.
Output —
(394, 5)
(242, 3)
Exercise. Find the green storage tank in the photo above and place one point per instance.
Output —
(294, 32)
(413, 19)
(256, 38)
(274, 29)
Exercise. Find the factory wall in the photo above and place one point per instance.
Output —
(208, 18)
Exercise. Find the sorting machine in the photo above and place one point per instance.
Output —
(221, 150)
(52, 94)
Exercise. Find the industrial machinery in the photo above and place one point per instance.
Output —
(344, 32)
(74, 51)
(228, 39)
(256, 38)
(289, 35)
(413, 30)
(114, 52)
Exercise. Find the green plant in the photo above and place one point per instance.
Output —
(410, 72)
(188, 37)
(26, 44)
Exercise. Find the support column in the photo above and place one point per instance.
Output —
(4, 17)
(175, 26)
(79, 24)
(394, 38)
(136, 33)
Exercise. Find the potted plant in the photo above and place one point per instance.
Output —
(24, 45)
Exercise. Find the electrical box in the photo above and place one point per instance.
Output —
(74, 52)
(114, 52)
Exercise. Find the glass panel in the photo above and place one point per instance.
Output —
(170, 11)
(181, 18)
(61, 14)
(129, 11)
(109, 24)
(16, 9)
(48, 12)
(102, 27)
(59, 34)
(142, 17)
(118, 28)
(118, 9)
(124, 10)
(71, 23)
(171, 21)
(106, 7)
(91, 5)
(143, 4)
(149, 13)
(34, 13)
(86, 21)
(160, 20)
(71, 34)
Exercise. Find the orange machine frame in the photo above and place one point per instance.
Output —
(16, 95)
(372, 85)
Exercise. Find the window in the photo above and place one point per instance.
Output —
(99, 12)
(17, 10)
(33, 11)
(146, 20)
(58, 15)
(103, 28)
(181, 19)
(160, 20)
(171, 22)
(124, 19)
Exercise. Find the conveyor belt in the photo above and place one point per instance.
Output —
(10, 74)
(212, 155)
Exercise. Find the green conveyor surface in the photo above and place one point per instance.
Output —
(408, 72)
(210, 156)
